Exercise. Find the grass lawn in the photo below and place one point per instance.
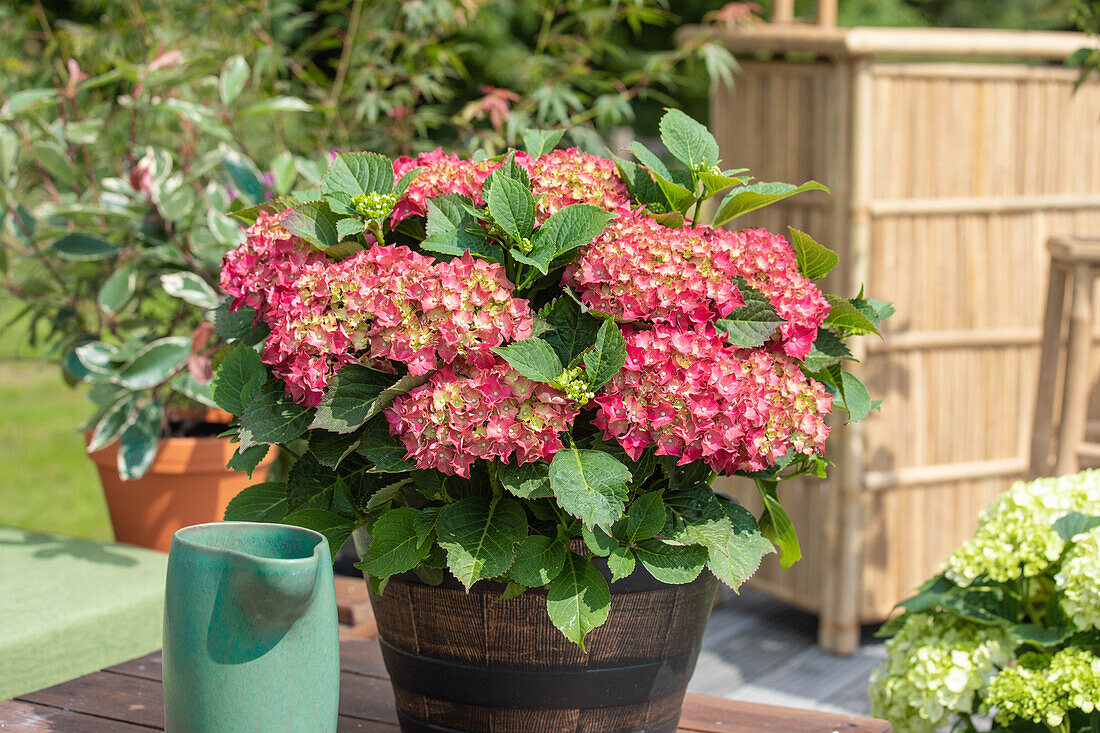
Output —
(47, 482)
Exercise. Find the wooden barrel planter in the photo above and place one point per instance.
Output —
(471, 662)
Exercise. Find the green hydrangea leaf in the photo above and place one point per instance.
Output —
(621, 563)
(384, 450)
(568, 228)
(777, 526)
(590, 485)
(314, 222)
(736, 559)
(247, 460)
(358, 173)
(753, 323)
(578, 599)
(537, 143)
(272, 417)
(533, 358)
(572, 330)
(744, 199)
(814, 261)
(347, 403)
(264, 502)
(689, 141)
(395, 547)
(238, 379)
(1074, 524)
(846, 317)
(675, 564)
(695, 517)
(606, 357)
(644, 519)
(512, 207)
(599, 542)
(480, 535)
(528, 481)
(539, 559)
(330, 449)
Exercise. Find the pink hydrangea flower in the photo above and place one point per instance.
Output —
(464, 413)
(695, 397)
(269, 259)
(440, 174)
(564, 177)
(639, 269)
(767, 262)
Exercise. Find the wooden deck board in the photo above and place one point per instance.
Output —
(757, 649)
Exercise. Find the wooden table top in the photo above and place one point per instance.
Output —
(127, 699)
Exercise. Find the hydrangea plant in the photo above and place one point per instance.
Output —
(507, 368)
(1011, 629)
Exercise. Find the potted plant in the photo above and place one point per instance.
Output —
(514, 379)
(1007, 638)
(112, 219)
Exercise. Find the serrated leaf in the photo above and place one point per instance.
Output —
(358, 173)
(826, 350)
(590, 485)
(599, 542)
(678, 196)
(272, 417)
(695, 517)
(512, 590)
(569, 228)
(334, 527)
(537, 143)
(689, 141)
(264, 502)
(238, 379)
(606, 357)
(735, 560)
(675, 564)
(752, 324)
(247, 460)
(512, 207)
(330, 449)
(644, 519)
(137, 447)
(231, 82)
(578, 599)
(744, 199)
(1042, 637)
(395, 547)
(845, 316)
(189, 287)
(1074, 524)
(621, 563)
(539, 559)
(347, 402)
(533, 358)
(349, 227)
(154, 363)
(83, 247)
(849, 393)
(479, 536)
(314, 222)
(814, 261)
(384, 450)
(572, 330)
(643, 189)
(117, 290)
(527, 481)
(451, 230)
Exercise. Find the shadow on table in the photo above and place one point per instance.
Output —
(51, 546)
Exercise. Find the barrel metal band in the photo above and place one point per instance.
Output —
(548, 689)
(412, 725)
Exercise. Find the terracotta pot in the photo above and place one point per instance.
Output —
(187, 484)
(463, 661)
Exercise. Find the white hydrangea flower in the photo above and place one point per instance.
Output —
(1015, 536)
(935, 667)
(1079, 581)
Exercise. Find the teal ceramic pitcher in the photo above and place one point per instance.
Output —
(251, 643)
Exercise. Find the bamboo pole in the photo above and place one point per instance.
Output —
(783, 11)
(924, 476)
(1042, 431)
(826, 13)
(1071, 429)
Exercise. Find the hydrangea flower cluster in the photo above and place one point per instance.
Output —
(1044, 688)
(492, 413)
(1015, 536)
(1077, 581)
(640, 270)
(563, 177)
(696, 397)
(440, 173)
(936, 666)
(385, 304)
